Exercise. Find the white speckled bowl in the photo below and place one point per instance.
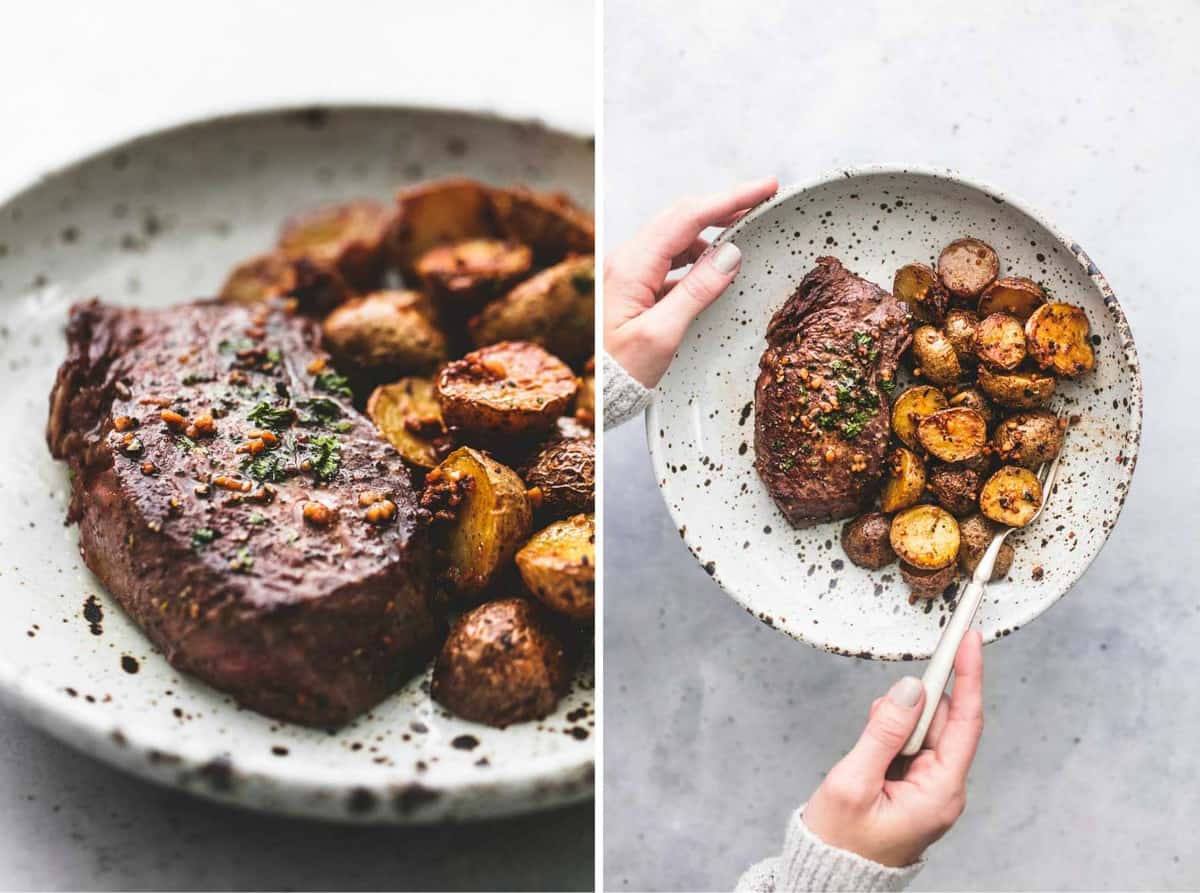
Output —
(701, 426)
(158, 221)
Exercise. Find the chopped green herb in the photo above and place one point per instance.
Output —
(826, 420)
(325, 454)
(332, 383)
(202, 536)
(227, 346)
(257, 518)
(888, 385)
(276, 417)
(186, 443)
(242, 562)
(266, 468)
(319, 411)
(863, 339)
(854, 425)
(786, 464)
(291, 535)
(274, 355)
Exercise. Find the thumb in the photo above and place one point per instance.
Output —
(704, 283)
(888, 727)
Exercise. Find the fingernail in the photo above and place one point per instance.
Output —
(905, 692)
(727, 258)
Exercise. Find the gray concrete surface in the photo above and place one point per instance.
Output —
(716, 726)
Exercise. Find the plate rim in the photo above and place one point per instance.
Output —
(1120, 320)
(218, 775)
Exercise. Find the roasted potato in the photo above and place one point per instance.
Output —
(1026, 389)
(919, 287)
(954, 434)
(1000, 341)
(960, 331)
(316, 288)
(925, 536)
(866, 540)
(548, 222)
(955, 487)
(904, 482)
(975, 535)
(480, 515)
(936, 357)
(505, 390)
(408, 414)
(463, 276)
(348, 237)
(967, 266)
(450, 210)
(501, 663)
(1014, 295)
(1029, 438)
(912, 406)
(972, 398)
(555, 309)
(927, 583)
(385, 333)
(1011, 496)
(1058, 339)
(561, 477)
(558, 564)
(585, 399)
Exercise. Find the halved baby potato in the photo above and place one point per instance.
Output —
(316, 288)
(409, 416)
(960, 328)
(349, 237)
(561, 477)
(1029, 438)
(912, 406)
(549, 222)
(1016, 390)
(558, 564)
(385, 333)
(1014, 295)
(975, 535)
(918, 286)
(1058, 339)
(955, 488)
(866, 540)
(904, 482)
(1000, 341)
(936, 358)
(974, 399)
(925, 536)
(505, 390)
(453, 209)
(1011, 496)
(481, 516)
(954, 434)
(463, 276)
(927, 583)
(968, 266)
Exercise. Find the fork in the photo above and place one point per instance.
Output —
(937, 673)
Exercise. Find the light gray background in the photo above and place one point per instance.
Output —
(78, 76)
(716, 726)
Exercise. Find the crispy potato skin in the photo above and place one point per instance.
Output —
(904, 482)
(505, 390)
(385, 333)
(1014, 295)
(1011, 496)
(453, 209)
(955, 487)
(925, 536)
(912, 406)
(558, 564)
(563, 473)
(554, 309)
(501, 664)
(348, 237)
(918, 286)
(408, 415)
(954, 434)
(975, 535)
(549, 222)
(972, 398)
(463, 276)
(1016, 390)
(1029, 438)
(967, 266)
(316, 288)
(866, 540)
(936, 356)
(927, 583)
(1058, 339)
(960, 328)
(1000, 341)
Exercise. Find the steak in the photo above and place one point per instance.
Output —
(821, 420)
(245, 515)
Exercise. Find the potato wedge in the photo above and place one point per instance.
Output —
(936, 358)
(1011, 496)
(912, 406)
(967, 266)
(555, 309)
(549, 222)
(867, 540)
(960, 330)
(385, 333)
(317, 289)
(1000, 341)
(918, 286)
(954, 434)
(927, 583)
(925, 536)
(975, 535)
(505, 390)
(1016, 390)
(1058, 339)
(480, 517)
(463, 276)
(348, 237)
(558, 564)
(1029, 438)
(972, 398)
(502, 663)
(561, 477)
(429, 214)
(1014, 295)
(955, 488)
(904, 482)
(409, 416)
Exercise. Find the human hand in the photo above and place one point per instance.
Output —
(645, 316)
(890, 817)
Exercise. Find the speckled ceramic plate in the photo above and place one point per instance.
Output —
(158, 221)
(701, 427)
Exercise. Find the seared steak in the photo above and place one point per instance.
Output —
(242, 511)
(821, 420)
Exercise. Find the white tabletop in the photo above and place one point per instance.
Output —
(78, 76)
(717, 726)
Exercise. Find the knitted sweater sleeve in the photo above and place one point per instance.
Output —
(624, 396)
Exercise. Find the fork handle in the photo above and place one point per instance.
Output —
(937, 674)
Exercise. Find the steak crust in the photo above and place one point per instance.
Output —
(821, 422)
(202, 536)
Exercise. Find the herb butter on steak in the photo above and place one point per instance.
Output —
(243, 512)
(821, 421)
